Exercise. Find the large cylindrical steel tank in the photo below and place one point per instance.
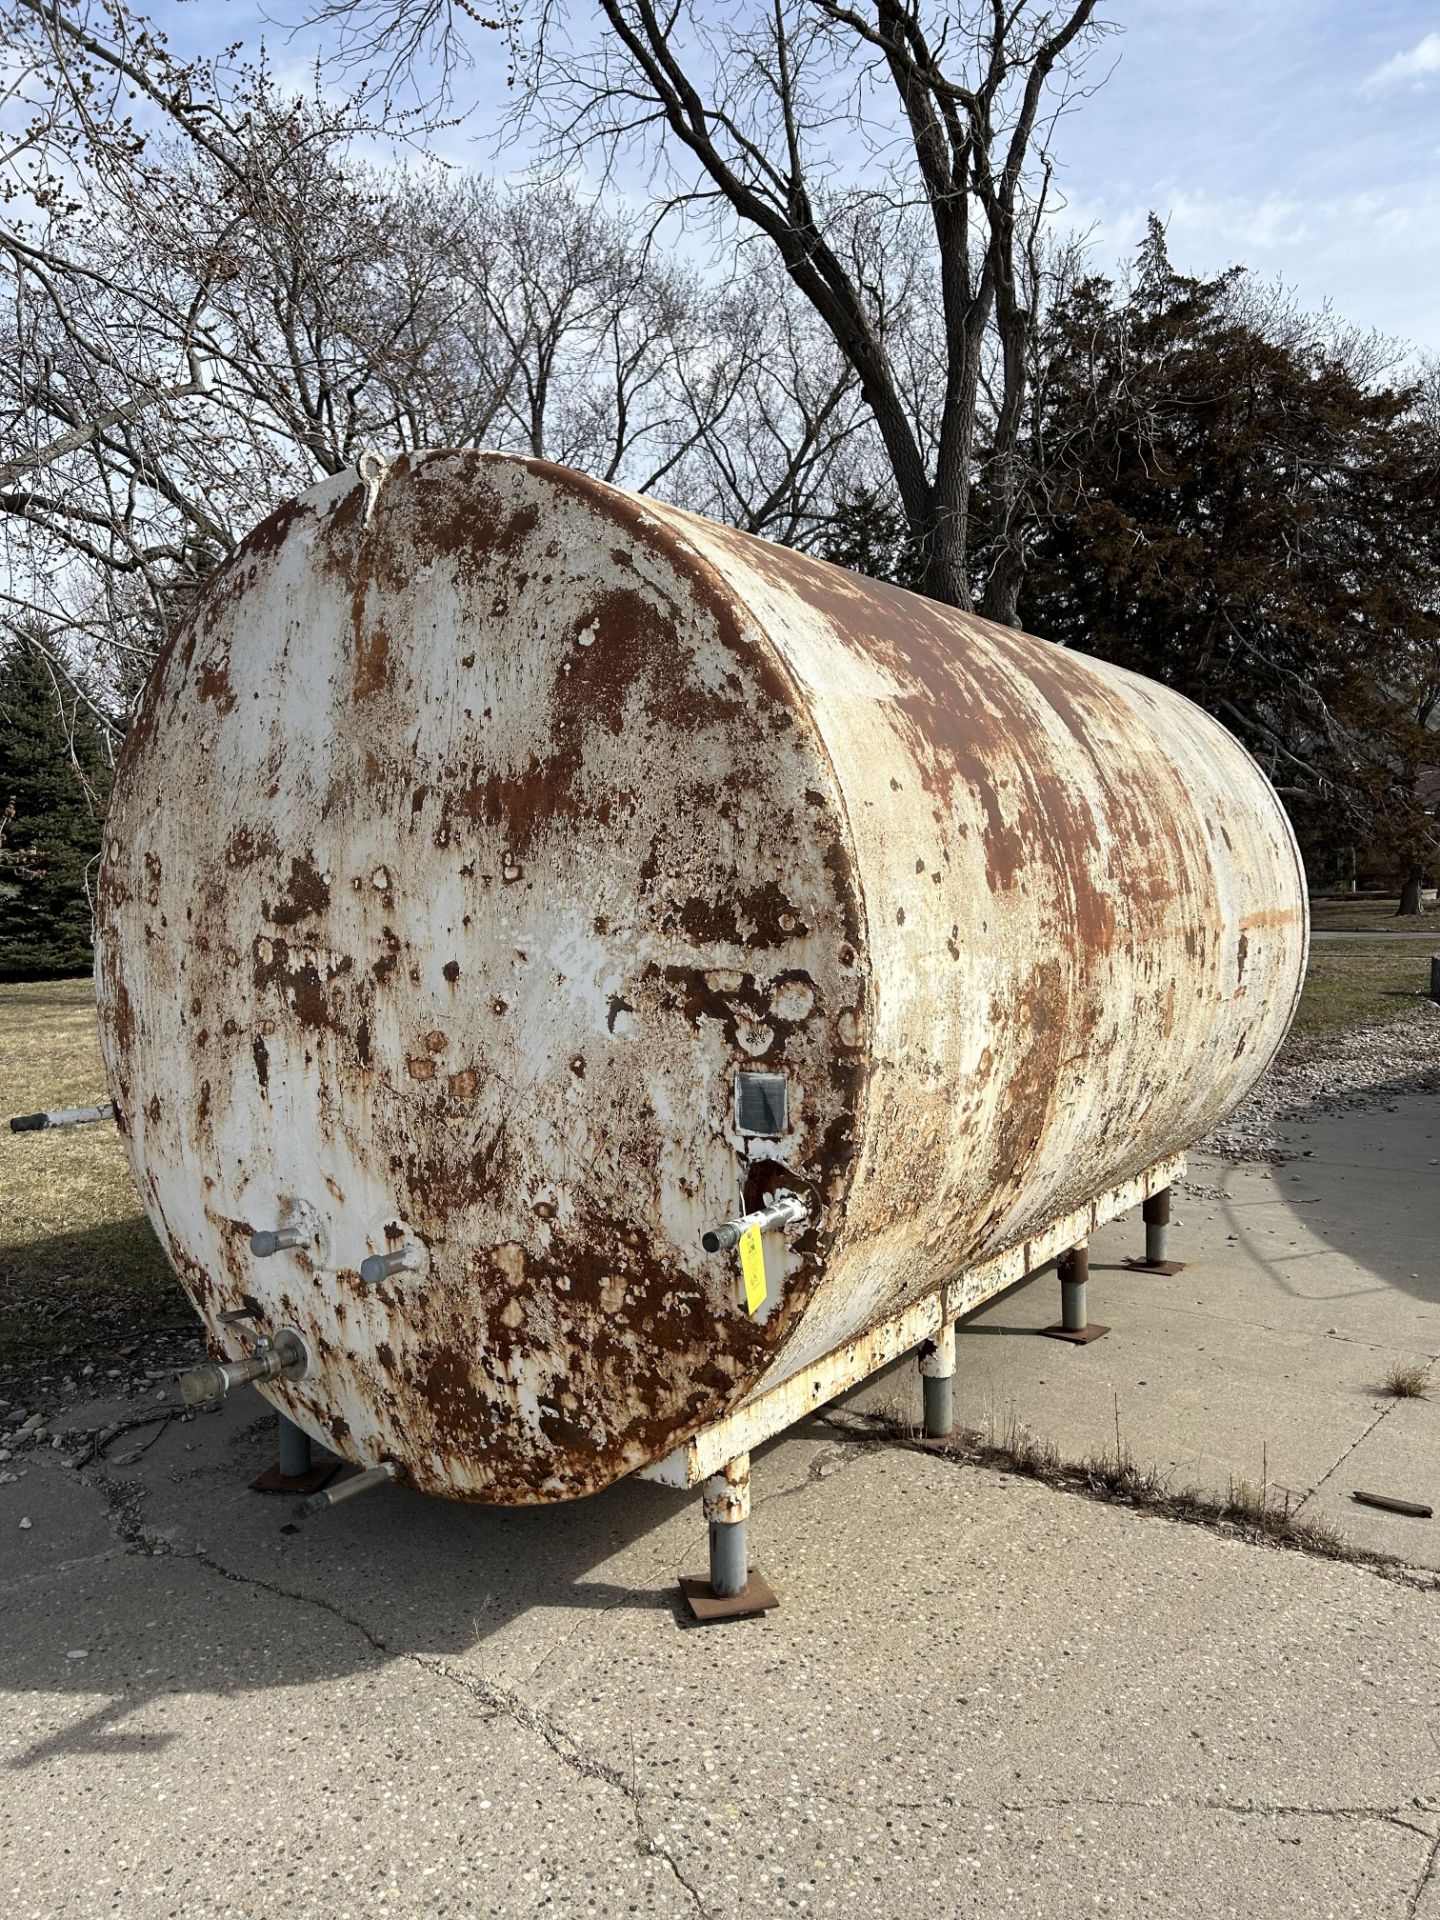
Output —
(491, 845)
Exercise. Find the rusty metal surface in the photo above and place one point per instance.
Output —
(462, 854)
(726, 1496)
(709, 1607)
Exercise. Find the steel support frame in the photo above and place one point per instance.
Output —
(771, 1409)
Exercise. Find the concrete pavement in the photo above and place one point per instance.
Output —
(1266, 1359)
(980, 1696)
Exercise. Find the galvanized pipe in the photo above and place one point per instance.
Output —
(215, 1378)
(358, 1483)
(729, 1558)
(61, 1117)
(286, 1356)
(726, 1503)
(788, 1211)
(1074, 1269)
(937, 1383)
(1156, 1215)
(293, 1448)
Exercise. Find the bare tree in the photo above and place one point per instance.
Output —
(198, 320)
(817, 124)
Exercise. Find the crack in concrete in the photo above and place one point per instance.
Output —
(496, 1702)
(123, 1499)
(1427, 1874)
(1383, 1413)
(1070, 1477)
(1386, 1816)
(1214, 1316)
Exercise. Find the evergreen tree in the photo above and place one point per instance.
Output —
(50, 825)
(1231, 506)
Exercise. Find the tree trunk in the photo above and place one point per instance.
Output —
(1410, 895)
(945, 576)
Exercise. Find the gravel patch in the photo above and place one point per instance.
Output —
(1320, 1075)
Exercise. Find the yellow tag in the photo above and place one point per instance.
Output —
(752, 1269)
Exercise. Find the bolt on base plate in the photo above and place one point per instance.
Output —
(707, 1605)
(1077, 1336)
(1157, 1266)
(273, 1481)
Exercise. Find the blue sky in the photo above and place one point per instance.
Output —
(1301, 137)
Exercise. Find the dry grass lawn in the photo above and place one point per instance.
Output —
(1367, 913)
(1349, 985)
(79, 1265)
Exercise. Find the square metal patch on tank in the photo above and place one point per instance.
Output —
(761, 1106)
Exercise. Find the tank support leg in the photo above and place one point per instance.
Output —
(937, 1383)
(1075, 1325)
(1156, 1215)
(296, 1469)
(294, 1448)
(734, 1587)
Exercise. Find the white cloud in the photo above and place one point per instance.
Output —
(1420, 63)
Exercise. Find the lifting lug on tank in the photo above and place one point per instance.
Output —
(789, 1210)
(284, 1357)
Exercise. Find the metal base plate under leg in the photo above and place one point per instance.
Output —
(707, 1605)
(320, 1475)
(1077, 1336)
(1156, 1266)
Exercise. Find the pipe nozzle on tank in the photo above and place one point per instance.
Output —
(203, 1385)
(62, 1117)
(321, 1502)
(277, 1240)
(379, 1267)
(789, 1210)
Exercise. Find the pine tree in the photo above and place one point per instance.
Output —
(50, 825)
(1235, 507)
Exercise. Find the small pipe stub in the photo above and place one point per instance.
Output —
(277, 1240)
(937, 1383)
(734, 1588)
(295, 1469)
(1155, 1212)
(363, 1482)
(379, 1267)
(1073, 1267)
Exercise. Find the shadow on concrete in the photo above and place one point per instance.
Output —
(396, 1574)
(1363, 1189)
